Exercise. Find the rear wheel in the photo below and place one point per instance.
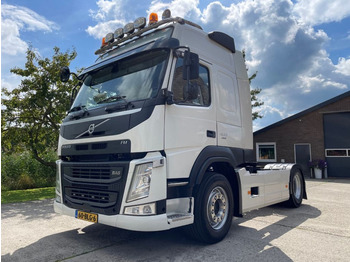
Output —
(213, 209)
(296, 188)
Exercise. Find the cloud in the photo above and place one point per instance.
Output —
(10, 35)
(111, 14)
(294, 69)
(16, 19)
(101, 29)
(315, 12)
(181, 8)
(343, 66)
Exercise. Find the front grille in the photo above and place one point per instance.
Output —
(98, 146)
(94, 187)
(91, 197)
(91, 173)
(82, 147)
(97, 197)
(88, 173)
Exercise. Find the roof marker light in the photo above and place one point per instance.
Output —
(166, 14)
(119, 33)
(140, 23)
(153, 18)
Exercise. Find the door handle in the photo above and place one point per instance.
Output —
(211, 133)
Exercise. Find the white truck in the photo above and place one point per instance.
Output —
(160, 135)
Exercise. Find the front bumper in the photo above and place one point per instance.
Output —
(136, 223)
(157, 194)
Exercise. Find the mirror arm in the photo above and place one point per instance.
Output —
(74, 93)
(177, 52)
(75, 75)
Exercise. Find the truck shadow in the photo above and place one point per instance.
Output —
(98, 242)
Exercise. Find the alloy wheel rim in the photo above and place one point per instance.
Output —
(217, 208)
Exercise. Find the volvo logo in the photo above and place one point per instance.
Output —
(91, 129)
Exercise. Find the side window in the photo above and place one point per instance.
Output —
(266, 152)
(202, 83)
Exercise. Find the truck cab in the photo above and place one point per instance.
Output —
(160, 135)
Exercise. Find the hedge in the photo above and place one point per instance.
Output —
(22, 171)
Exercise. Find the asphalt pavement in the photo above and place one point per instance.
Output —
(317, 231)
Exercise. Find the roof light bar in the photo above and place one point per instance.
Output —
(166, 14)
(129, 28)
(140, 23)
(121, 35)
(109, 38)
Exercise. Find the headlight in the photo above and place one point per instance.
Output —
(141, 182)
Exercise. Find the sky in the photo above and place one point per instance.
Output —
(299, 49)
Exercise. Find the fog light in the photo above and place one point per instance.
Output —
(141, 210)
(147, 209)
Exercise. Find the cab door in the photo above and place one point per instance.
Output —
(190, 123)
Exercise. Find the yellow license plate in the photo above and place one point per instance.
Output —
(86, 216)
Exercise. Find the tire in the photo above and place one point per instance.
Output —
(213, 209)
(296, 188)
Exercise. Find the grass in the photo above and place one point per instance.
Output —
(27, 195)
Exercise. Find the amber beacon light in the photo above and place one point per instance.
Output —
(153, 18)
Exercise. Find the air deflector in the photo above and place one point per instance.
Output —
(223, 40)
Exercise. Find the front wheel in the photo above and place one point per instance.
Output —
(213, 209)
(296, 188)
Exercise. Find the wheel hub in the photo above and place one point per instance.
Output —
(217, 208)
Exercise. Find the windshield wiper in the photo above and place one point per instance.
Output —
(123, 104)
(76, 108)
(112, 99)
(78, 112)
(119, 106)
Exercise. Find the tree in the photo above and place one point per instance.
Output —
(32, 112)
(254, 100)
(253, 95)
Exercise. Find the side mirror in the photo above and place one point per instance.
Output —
(191, 66)
(65, 74)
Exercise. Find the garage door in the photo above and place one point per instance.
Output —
(337, 143)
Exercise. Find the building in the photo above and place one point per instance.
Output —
(321, 132)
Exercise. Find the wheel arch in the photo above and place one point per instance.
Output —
(218, 160)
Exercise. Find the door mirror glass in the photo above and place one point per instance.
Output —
(65, 74)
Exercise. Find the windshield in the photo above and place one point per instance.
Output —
(138, 77)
